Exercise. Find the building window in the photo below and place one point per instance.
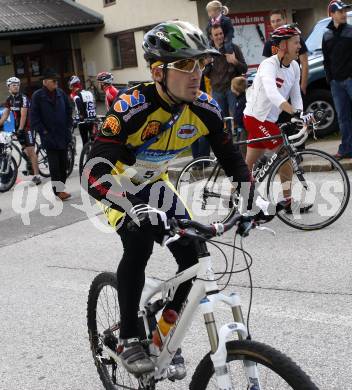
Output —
(109, 2)
(124, 50)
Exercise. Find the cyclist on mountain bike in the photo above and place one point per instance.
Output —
(148, 126)
(85, 107)
(276, 81)
(18, 103)
(106, 79)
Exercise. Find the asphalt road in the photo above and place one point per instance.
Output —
(302, 296)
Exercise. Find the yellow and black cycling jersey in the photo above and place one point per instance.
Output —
(138, 116)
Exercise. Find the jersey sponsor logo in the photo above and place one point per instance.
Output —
(279, 82)
(208, 107)
(187, 131)
(127, 101)
(205, 98)
(134, 111)
(151, 130)
(111, 126)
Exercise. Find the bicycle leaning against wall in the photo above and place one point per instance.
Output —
(311, 177)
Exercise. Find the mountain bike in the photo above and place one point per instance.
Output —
(97, 122)
(239, 364)
(316, 178)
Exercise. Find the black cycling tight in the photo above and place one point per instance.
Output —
(138, 247)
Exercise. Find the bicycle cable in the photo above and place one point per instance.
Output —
(250, 284)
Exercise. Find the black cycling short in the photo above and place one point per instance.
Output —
(25, 137)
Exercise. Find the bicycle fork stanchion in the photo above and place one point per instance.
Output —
(218, 341)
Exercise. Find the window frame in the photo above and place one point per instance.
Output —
(108, 3)
(120, 58)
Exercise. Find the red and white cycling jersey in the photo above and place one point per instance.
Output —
(110, 94)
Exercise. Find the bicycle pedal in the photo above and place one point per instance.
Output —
(176, 372)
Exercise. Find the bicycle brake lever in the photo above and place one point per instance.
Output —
(271, 231)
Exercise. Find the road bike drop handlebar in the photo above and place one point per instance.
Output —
(286, 128)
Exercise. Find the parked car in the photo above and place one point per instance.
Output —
(318, 90)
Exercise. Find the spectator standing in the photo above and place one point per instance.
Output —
(18, 103)
(85, 107)
(278, 19)
(337, 51)
(217, 17)
(222, 70)
(51, 116)
(238, 87)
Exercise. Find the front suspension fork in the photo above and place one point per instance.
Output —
(217, 340)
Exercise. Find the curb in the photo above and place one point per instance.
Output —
(174, 171)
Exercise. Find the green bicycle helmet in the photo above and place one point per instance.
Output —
(176, 40)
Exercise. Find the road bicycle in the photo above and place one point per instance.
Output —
(234, 362)
(97, 122)
(316, 178)
(8, 164)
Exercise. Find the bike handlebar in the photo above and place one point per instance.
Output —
(318, 115)
(245, 223)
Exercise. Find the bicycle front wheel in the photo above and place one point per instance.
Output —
(275, 370)
(319, 187)
(207, 191)
(9, 174)
(103, 317)
(43, 163)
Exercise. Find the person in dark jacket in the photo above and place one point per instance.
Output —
(51, 116)
(217, 16)
(222, 70)
(337, 51)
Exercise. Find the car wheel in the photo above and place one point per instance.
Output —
(321, 99)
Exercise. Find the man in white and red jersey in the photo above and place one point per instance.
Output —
(85, 107)
(277, 81)
(106, 79)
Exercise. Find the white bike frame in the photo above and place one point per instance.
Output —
(204, 293)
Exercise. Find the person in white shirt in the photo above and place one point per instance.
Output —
(277, 80)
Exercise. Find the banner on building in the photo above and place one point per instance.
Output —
(252, 29)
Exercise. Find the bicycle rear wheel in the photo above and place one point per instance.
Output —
(276, 371)
(43, 163)
(320, 181)
(103, 315)
(207, 191)
(84, 156)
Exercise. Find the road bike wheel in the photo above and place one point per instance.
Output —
(327, 190)
(84, 156)
(206, 190)
(70, 160)
(7, 180)
(43, 163)
(103, 315)
(276, 370)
